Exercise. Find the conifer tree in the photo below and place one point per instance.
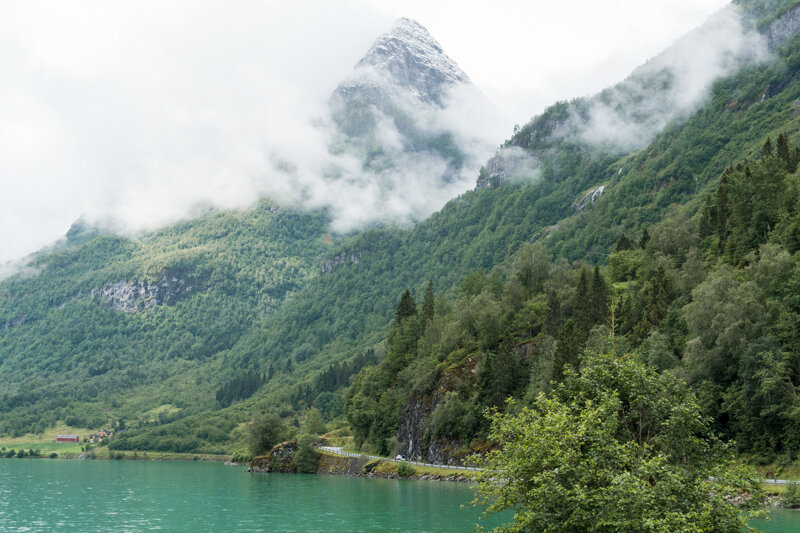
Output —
(785, 154)
(599, 297)
(406, 308)
(645, 238)
(623, 243)
(428, 304)
(583, 303)
(570, 343)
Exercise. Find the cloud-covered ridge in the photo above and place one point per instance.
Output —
(628, 115)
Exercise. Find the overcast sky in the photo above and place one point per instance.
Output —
(141, 109)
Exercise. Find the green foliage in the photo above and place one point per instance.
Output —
(619, 448)
(265, 431)
(448, 418)
(80, 358)
(709, 293)
(791, 497)
(406, 308)
(241, 456)
(306, 457)
(405, 470)
(239, 388)
(313, 423)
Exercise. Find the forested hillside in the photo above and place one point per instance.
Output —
(713, 299)
(87, 324)
(687, 257)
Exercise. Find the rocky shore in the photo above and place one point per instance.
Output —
(280, 459)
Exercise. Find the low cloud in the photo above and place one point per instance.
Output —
(138, 112)
(670, 86)
(403, 183)
(134, 114)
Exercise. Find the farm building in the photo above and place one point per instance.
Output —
(68, 438)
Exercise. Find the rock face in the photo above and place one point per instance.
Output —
(579, 206)
(414, 434)
(416, 416)
(785, 27)
(344, 256)
(14, 323)
(509, 163)
(279, 459)
(136, 296)
(407, 57)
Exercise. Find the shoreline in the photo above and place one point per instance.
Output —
(280, 460)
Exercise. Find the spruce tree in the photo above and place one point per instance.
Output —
(623, 243)
(582, 303)
(406, 308)
(645, 238)
(599, 297)
(785, 153)
(571, 341)
(428, 304)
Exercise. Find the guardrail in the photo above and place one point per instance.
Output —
(339, 451)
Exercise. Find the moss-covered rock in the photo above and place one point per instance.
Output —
(279, 459)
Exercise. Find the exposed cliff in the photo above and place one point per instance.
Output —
(342, 257)
(136, 296)
(417, 436)
(580, 204)
(279, 459)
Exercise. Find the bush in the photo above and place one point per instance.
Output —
(615, 443)
(405, 470)
(241, 456)
(306, 457)
(791, 498)
(265, 432)
(448, 416)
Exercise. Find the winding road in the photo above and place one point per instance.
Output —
(338, 451)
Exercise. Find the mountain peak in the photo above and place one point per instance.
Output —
(412, 59)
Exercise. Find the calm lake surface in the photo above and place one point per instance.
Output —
(72, 495)
(781, 521)
(63, 495)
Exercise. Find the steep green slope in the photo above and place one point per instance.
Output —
(343, 313)
(65, 353)
(713, 300)
(86, 325)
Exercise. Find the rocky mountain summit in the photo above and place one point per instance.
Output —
(408, 57)
(393, 105)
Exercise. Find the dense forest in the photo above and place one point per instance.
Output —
(713, 300)
(688, 260)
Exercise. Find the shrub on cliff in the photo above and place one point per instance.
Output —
(266, 431)
(306, 458)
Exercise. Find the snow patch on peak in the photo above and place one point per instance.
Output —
(409, 57)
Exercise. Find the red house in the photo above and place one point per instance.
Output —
(68, 438)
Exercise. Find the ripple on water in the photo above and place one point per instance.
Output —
(43, 495)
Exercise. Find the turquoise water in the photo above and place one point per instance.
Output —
(62, 495)
(781, 521)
